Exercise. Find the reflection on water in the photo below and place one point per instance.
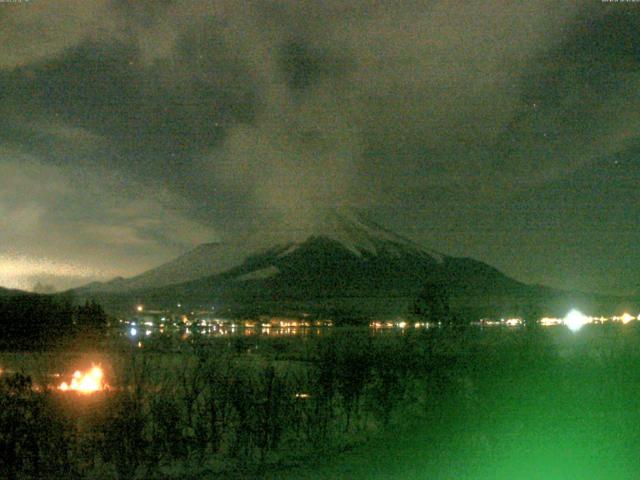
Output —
(185, 327)
(241, 330)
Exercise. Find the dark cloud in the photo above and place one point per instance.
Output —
(220, 117)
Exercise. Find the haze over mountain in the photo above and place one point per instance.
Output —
(346, 264)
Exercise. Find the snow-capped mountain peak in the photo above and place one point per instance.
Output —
(356, 233)
(359, 234)
(343, 227)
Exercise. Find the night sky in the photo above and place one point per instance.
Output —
(507, 131)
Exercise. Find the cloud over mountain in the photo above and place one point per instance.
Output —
(231, 115)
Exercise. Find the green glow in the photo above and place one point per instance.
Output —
(545, 407)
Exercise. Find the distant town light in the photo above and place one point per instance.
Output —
(133, 332)
(575, 320)
(550, 321)
(626, 318)
(140, 308)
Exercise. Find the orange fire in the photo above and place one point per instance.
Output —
(88, 382)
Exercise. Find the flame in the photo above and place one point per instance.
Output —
(88, 382)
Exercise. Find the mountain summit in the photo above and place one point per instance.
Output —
(348, 228)
(345, 263)
(360, 235)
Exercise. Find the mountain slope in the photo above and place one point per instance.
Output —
(206, 259)
(353, 266)
(352, 231)
(7, 292)
(347, 264)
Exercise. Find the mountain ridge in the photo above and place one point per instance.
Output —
(346, 226)
(348, 264)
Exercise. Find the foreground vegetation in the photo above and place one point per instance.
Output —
(30, 321)
(245, 408)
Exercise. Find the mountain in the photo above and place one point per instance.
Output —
(352, 231)
(347, 264)
(7, 292)
(206, 259)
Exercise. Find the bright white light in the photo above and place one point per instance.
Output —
(626, 318)
(575, 320)
(133, 332)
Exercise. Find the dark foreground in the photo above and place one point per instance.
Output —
(565, 419)
(466, 404)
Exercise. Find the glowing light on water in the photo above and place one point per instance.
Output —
(87, 382)
(550, 321)
(513, 322)
(575, 320)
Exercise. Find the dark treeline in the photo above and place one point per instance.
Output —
(33, 322)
